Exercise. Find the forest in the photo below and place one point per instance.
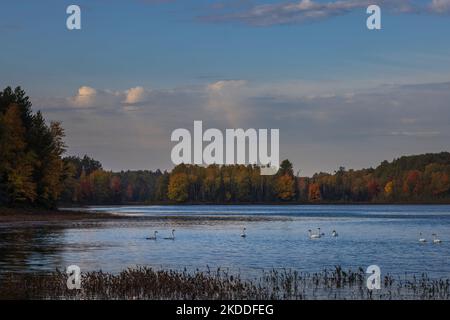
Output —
(34, 171)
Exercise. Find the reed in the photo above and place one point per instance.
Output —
(147, 283)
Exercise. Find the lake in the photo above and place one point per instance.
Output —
(209, 236)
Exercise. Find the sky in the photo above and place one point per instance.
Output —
(340, 94)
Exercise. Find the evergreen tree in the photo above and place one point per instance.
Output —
(31, 168)
(16, 166)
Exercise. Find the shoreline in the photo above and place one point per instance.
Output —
(16, 215)
(48, 215)
(69, 206)
(76, 213)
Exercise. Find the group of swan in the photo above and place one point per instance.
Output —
(172, 237)
(154, 237)
(312, 235)
(435, 238)
(320, 234)
(244, 235)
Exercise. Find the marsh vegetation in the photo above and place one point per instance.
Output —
(147, 283)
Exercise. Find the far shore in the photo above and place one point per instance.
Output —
(34, 214)
(287, 203)
(76, 213)
(14, 215)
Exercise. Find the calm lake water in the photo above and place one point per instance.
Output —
(277, 237)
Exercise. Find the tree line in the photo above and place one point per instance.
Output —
(34, 172)
(415, 179)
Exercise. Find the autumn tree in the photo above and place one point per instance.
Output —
(285, 187)
(286, 168)
(161, 187)
(373, 188)
(412, 185)
(115, 186)
(178, 189)
(243, 184)
(86, 163)
(239, 183)
(302, 187)
(38, 171)
(48, 146)
(389, 189)
(18, 98)
(16, 166)
(314, 194)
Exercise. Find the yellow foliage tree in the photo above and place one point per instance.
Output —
(178, 189)
(285, 187)
(389, 188)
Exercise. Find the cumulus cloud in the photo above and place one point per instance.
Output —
(91, 98)
(85, 96)
(135, 95)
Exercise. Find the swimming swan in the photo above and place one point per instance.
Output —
(421, 239)
(172, 237)
(313, 235)
(436, 240)
(154, 237)
(334, 233)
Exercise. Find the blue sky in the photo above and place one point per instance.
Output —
(236, 63)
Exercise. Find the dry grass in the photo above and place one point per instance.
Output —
(146, 283)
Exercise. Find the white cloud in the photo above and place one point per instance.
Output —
(302, 11)
(135, 95)
(227, 98)
(106, 99)
(418, 134)
(222, 85)
(440, 6)
(85, 96)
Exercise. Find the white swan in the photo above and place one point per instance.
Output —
(321, 234)
(154, 237)
(334, 233)
(172, 237)
(313, 235)
(421, 239)
(436, 240)
(243, 235)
